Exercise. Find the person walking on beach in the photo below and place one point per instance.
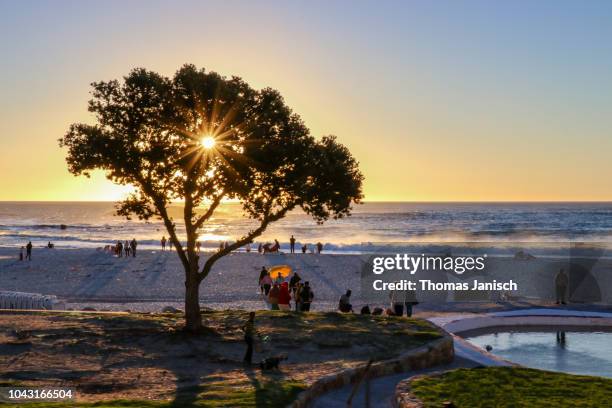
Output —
(266, 284)
(306, 296)
(292, 244)
(133, 246)
(319, 247)
(273, 296)
(163, 243)
(284, 297)
(249, 337)
(29, 251)
(126, 248)
(561, 283)
(119, 249)
(293, 282)
(262, 273)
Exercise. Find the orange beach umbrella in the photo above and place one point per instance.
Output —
(280, 270)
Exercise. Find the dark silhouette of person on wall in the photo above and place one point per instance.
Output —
(249, 337)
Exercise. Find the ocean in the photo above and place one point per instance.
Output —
(92, 224)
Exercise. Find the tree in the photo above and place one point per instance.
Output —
(201, 138)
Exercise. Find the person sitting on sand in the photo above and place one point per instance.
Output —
(284, 297)
(365, 310)
(163, 243)
(561, 283)
(273, 296)
(306, 296)
(266, 283)
(304, 248)
(268, 248)
(249, 337)
(50, 245)
(319, 247)
(262, 273)
(344, 305)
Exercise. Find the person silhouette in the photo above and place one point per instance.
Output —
(29, 251)
(561, 283)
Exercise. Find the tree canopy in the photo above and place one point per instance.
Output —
(148, 133)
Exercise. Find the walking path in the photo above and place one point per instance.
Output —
(381, 389)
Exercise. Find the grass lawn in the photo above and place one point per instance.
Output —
(512, 387)
(146, 360)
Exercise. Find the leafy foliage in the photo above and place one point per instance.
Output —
(148, 132)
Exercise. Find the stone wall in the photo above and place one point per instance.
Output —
(440, 351)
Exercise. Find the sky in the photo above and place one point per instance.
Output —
(439, 101)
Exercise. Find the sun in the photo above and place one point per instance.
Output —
(208, 142)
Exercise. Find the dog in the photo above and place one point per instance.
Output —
(271, 363)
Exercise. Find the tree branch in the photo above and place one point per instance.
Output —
(209, 212)
(243, 241)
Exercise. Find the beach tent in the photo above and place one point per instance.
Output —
(280, 270)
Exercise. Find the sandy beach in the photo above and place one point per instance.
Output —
(154, 279)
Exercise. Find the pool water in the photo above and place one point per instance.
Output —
(576, 352)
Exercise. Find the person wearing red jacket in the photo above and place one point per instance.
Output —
(284, 297)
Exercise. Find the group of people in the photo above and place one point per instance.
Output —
(399, 301)
(128, 248)
(28, 252)
(275, 248)
(262, 248)
(280, 293)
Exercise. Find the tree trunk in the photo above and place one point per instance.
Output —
(193, 318)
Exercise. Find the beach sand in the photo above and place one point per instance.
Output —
(154, 279)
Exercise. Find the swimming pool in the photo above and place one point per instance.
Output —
(568, 350)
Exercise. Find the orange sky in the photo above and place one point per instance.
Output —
(467, 111)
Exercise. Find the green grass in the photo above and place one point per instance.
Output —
(512, 387)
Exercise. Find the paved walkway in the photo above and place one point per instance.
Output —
(381, 389)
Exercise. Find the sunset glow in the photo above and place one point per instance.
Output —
(208, 142)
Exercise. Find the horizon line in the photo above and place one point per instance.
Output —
(363, 201)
